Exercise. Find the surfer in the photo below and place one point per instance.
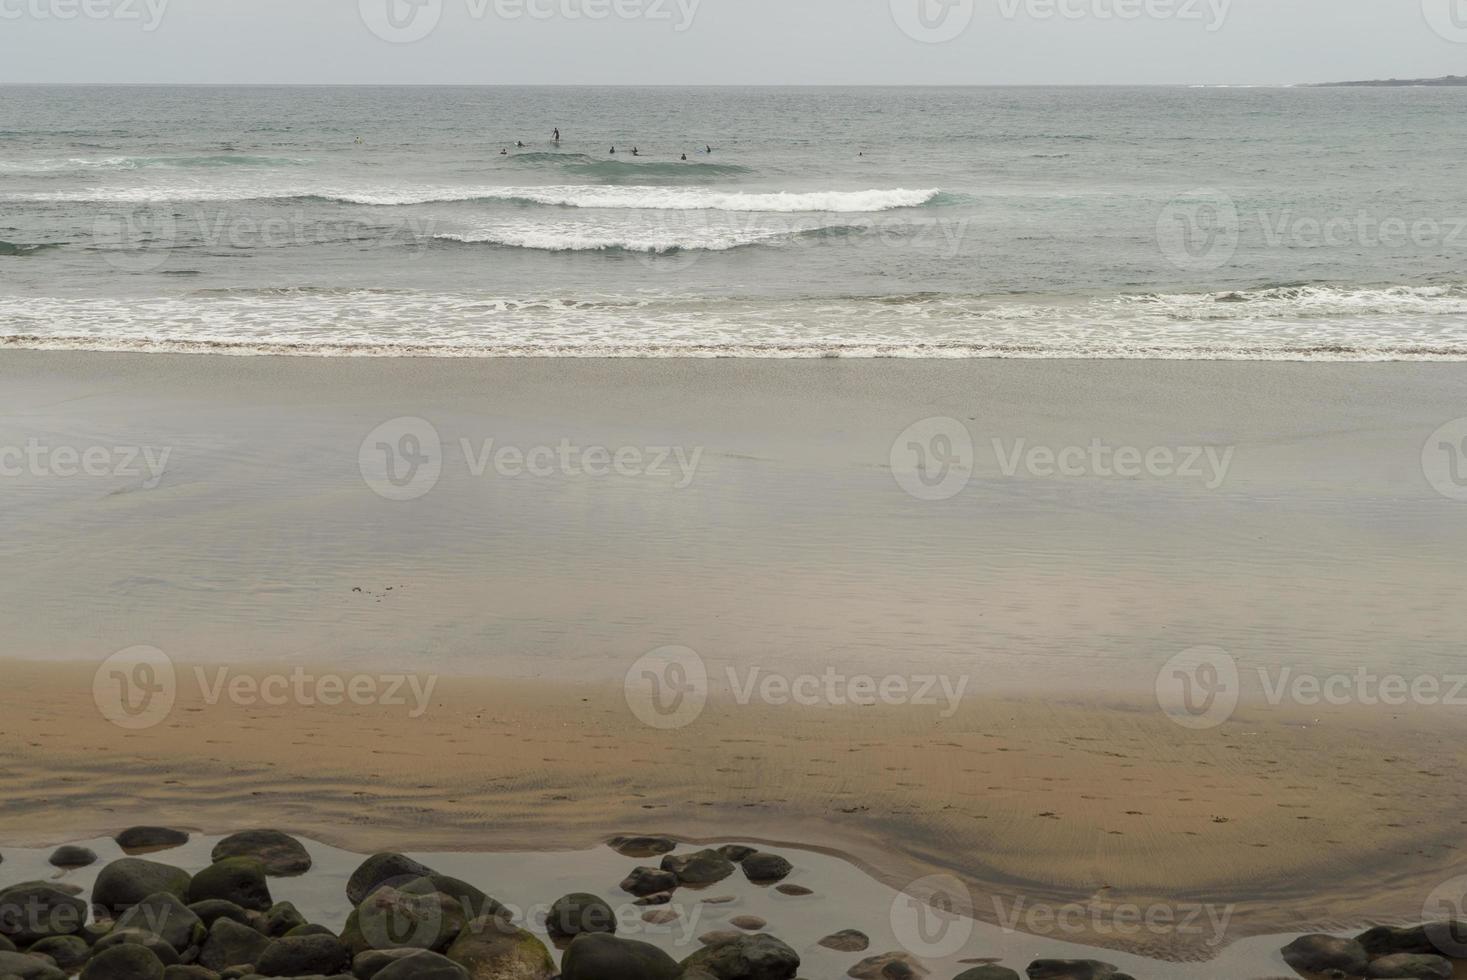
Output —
(708, 150)
(685, 156)
(504, 153)
(613, 151)
(520, 144)
(636, 152)
(556, 138)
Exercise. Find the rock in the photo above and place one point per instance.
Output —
(32, 911)
(699, 868)
(661, 917)
(600, 956)
(490, 948)
(737, 852)
(6, 946)
(760, 957)
(472, 902)
(660, 898)
(234, 972)
(760, 867)
(231, 944)
(752, 923)
(423, 965)
(281, 918)
(366, 965)
(988, 973)
(159, 947)
(33, 968)
(847, 941)
(577, 913)
(641, 847)
(140, 840)
(649, 881)
(123, 962)
(310, 929)
(1429, 938)
(67, 952)
(96, 930)
(888, 966)
(1074, 970)
(127, 881)
(718, 936)
(282, 855)
(167, 918)
(1416, 966)
(191, 972)
(70, 856)
(381, 869)
(795, 891)
(217, 908)
(239, 880)
(393, 919)
(1318, 953)
(300, 956)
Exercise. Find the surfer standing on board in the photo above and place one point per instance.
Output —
(556, 138)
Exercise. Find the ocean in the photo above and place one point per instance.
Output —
(1281, 223)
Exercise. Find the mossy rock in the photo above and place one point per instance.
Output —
(600, 956)
(239, 880)
(489, 948)
(125, 882)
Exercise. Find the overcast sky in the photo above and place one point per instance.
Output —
(678, 42)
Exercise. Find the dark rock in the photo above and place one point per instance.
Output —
(761, 867)
(123, 962)
(600, 956)
(67, 952)
(759, 957)
(159, 947)
(423, 965)
(393, 919)
(988, 973)
(649, 881)
(888, 966)
(167, 918)
(1318, 953)
(795, 891)
(490, 948)
(381, 869)
(1429, 938)
(657, 898)
(33, 968)
(140, 840)
(847, 941)
(127, 881)
(217, 908)
(1415, 966)
(1074, 970)
(231, 944)
(6, 946)
(69, 856)
(641, 847)
(699, 868)
(310, 929)
(472, 902)
(190, 972)
(580, 912)
(239, 880)
(737, 852)
(281, 854)
(281, 918)
(301, 956)
(32, 911)
(366, 965)
(96, 930)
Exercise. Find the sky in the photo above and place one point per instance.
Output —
(740, 42)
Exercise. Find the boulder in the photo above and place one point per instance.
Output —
(217, 908)
(888, 966)
(32, 968)
(489, 948)
(139, 840)
(760, 957)
(1428, 938)
(282, 855)
(159, 947)
(847, 941)
(393, 919)
(423, 965)
(365, 966)
(231, 944)
(127, 881)
(281, 918)
(239, 880)
(67, 952)
(300, 956)
(166, 917)
(601, 956)
(381, 869)
(641, 847)
(577, 913)
(190, 972)
(990, 972)
(123, 962)
(33, 911)
(699, 868)
(761, 868)
(1414, 966)
(310, 929)
(737, 852)
(1318, 953)
(69, 856)
(649, 881)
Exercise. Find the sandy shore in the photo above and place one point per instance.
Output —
(1322, 549)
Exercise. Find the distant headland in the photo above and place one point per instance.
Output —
(1444, 81)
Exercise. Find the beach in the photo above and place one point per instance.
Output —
(756, 514)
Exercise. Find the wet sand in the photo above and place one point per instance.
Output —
(1055, 601)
